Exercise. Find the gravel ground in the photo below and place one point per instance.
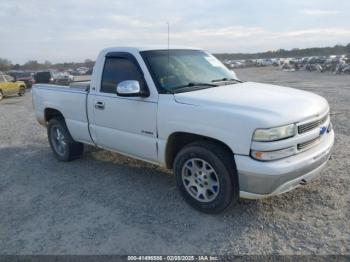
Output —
(105, 203)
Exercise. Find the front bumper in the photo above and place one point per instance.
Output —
(264, 179)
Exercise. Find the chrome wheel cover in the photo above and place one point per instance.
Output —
(200, 180)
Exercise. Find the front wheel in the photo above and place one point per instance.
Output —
(61, 142)
(206, 176)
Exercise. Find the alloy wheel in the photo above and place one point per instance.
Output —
(200, 180)
(58, 141)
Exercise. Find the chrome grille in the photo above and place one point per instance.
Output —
(308, 144)
(311, 125)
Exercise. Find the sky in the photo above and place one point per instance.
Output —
(74, 30)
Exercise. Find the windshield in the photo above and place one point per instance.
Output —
(185, 69)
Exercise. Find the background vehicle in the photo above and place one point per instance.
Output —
(183, 109)
(9, 86)
(44, 77)
(63, 78)
(26, 77)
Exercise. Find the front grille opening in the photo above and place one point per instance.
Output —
(308, 144)
(311, 125)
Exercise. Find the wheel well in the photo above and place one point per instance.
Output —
(52, 113)
(179, 140)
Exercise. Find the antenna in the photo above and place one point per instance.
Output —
(168, 34)
(168, 67)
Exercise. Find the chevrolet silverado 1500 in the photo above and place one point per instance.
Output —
(184, 110)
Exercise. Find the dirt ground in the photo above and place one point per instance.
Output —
(104, 203)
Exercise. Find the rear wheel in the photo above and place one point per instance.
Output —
(61, 142)
(206, 176)
(22, 91)
(1, 95)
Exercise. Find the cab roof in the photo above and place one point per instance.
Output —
(146, 48)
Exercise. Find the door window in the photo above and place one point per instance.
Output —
(9, 78)
(117, 70)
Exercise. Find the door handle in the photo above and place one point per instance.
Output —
(100, 105)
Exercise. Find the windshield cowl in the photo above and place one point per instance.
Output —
(192, 86)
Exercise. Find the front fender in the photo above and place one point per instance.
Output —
(20, 83)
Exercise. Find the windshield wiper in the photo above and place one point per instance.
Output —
(193, 84)
(225, 79)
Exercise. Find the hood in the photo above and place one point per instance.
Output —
(277, 104)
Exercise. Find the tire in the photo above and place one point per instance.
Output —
(1, 95)
(22, 91)
(206, 176)
(61, 142)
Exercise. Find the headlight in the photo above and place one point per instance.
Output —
(273, 134)
(272, 155)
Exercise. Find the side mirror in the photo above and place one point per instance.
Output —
(130, 88)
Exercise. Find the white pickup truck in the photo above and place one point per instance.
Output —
(183, 109)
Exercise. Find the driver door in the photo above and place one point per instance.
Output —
(11, 86)
(124, 124)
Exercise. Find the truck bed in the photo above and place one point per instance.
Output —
(70, 101)
(85, 85)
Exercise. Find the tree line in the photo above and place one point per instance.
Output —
(295, 52)
(6, 64)
(34, 65)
